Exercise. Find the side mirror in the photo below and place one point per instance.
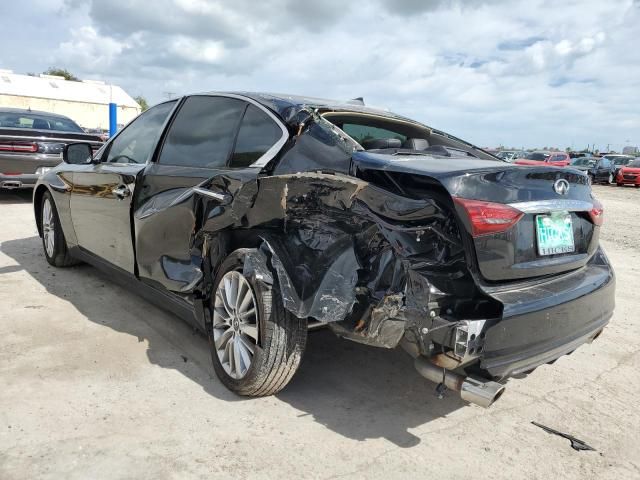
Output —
(78, 153)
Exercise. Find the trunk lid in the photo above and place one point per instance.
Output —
(521, 251)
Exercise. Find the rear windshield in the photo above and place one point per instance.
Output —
(537, 156)
(583, 161)
(38, 122)
(361, 133)
(619, 160)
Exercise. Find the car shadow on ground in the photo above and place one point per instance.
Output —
(356, 391)
(15, 196)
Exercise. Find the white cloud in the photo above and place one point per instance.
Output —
(522, 73)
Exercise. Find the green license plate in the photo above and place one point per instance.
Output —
(555, 233)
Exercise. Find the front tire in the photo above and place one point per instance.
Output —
(53, 241)
(611, 179)
(256, 345)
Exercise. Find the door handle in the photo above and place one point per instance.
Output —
(121, 191)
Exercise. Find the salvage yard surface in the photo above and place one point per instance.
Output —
(97, 383)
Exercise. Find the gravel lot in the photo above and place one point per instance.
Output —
(97, 383)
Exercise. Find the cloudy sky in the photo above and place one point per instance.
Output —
(519, 73)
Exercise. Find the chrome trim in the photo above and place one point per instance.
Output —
(557, 205)
(218, 196)
(275, 148)
(59, 140)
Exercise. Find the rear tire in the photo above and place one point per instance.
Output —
(253, 354)
(53, 241)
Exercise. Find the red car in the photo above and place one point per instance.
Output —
(629, 174)
(556, 159)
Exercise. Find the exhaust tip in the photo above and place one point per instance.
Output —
(10, 184)
(480, 391)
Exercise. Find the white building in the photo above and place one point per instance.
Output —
(86, 102)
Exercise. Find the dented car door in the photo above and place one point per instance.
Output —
(205, 152)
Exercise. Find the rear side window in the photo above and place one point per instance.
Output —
(203, 132)
(258, 133)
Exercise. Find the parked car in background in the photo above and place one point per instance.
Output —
(103, 134)
(603, 171)
(619, 161)
(253, 216)
(31, 143)
(629, 174)
(556, 159)
(510, 155)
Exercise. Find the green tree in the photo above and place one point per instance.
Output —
(142, 102)
(61, 72)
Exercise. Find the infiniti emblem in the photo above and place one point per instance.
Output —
(561, 187)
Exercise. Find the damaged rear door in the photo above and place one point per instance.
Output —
(214, 146)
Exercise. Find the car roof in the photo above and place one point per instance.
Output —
(32, 112)
(287, 106)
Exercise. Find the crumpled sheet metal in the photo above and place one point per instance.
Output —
(330, 301)
(329, 236)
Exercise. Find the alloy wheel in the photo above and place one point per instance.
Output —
(48, 227)
(235, 324)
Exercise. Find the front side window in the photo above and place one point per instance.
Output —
(203, 132)
(136, 142)
(257, 134)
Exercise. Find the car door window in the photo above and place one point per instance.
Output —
(136, 142)
(203, 132)
(257, 134)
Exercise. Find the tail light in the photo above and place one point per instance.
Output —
(487, 217)
(19, 147)
(596, 214)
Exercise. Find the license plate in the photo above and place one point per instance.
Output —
(555, 234)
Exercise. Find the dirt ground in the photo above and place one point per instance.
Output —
(97, 383)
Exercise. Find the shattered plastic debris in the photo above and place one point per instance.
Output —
(576, 443)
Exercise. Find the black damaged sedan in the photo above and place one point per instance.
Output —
(258, 217)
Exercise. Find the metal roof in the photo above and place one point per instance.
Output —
(57, 88)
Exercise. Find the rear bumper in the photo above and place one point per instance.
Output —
(19, 170)
(543, 322)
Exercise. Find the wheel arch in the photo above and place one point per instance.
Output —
(38, 194)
